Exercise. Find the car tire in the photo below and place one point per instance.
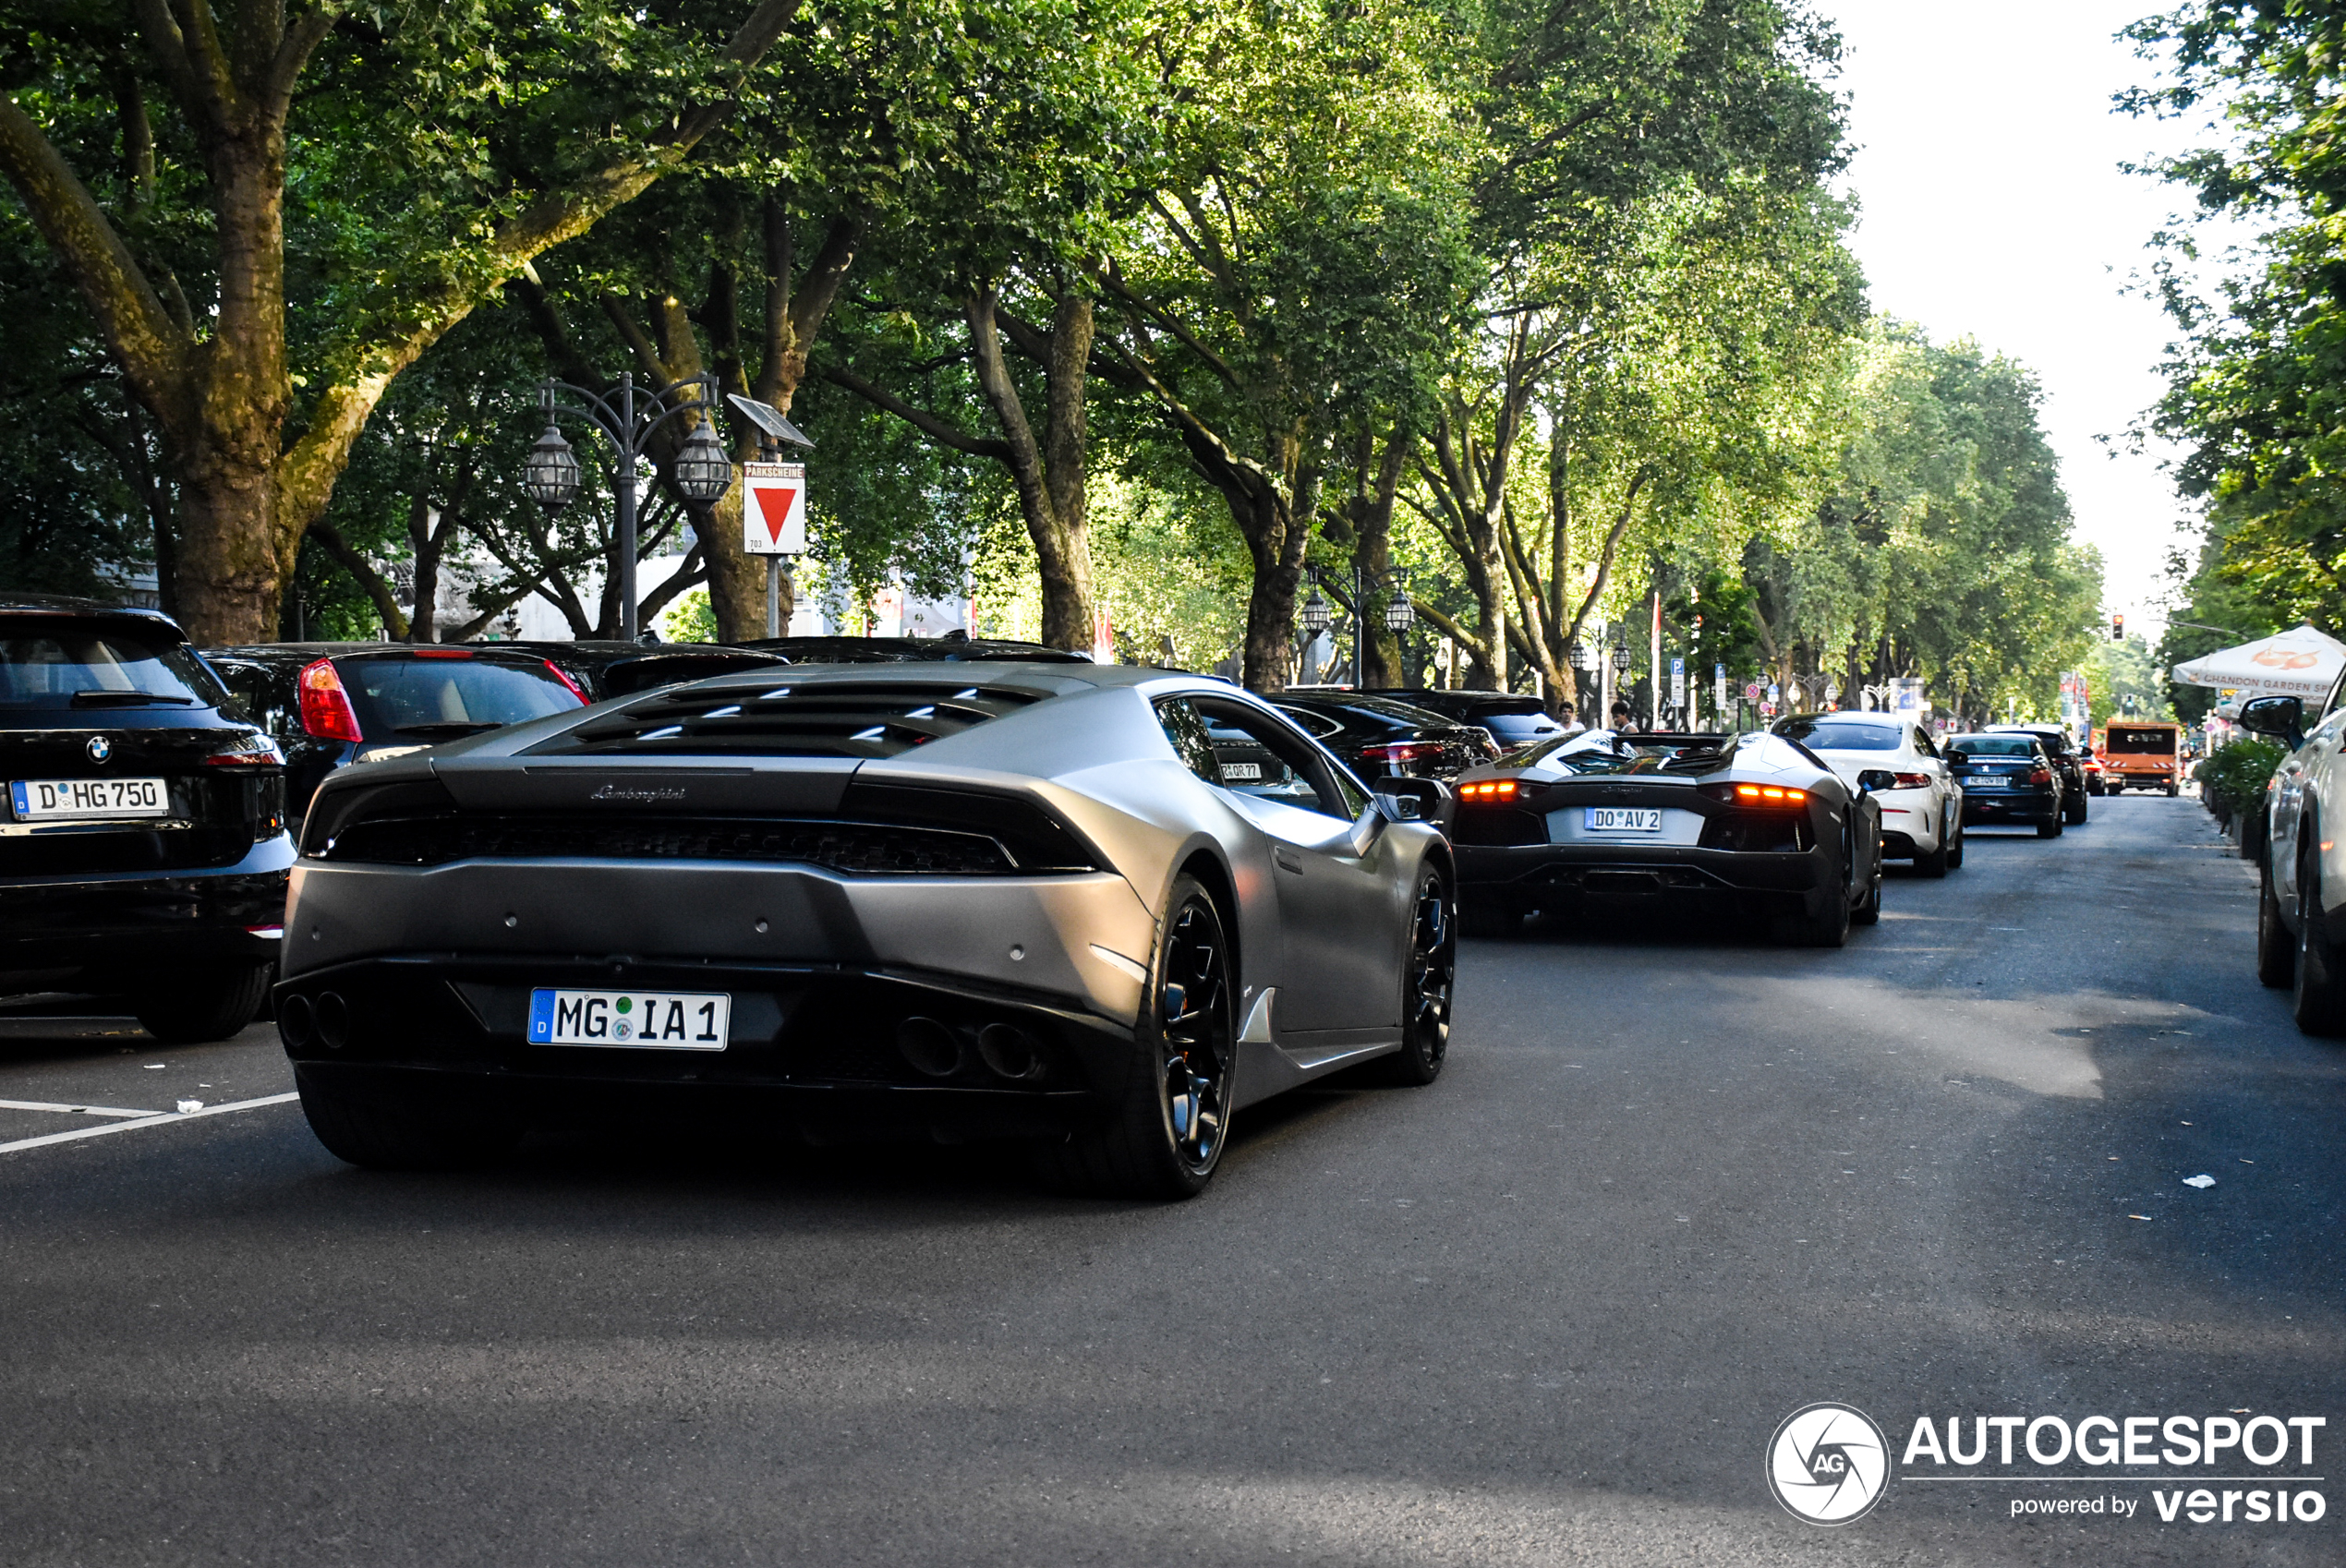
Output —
(380, 1135)
(2275, 948)
(2172, 790)
(1954, 851)
(1935, 863)
(2050, 828)
(1163, 1139)
(2075, 811)
(193, 1009)
(2318, 1001)
(1429, 978)
(1869, 912)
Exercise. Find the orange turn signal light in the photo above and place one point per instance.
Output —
(1770, 794)
(1491, 790)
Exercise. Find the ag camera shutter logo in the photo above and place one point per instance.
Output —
(1828, 1463)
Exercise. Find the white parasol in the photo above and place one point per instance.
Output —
(2299, 662)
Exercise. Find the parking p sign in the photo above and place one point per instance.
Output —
(774, 507)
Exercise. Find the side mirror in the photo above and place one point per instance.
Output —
(2282, 716)
(1415, 799)
(1874, 778)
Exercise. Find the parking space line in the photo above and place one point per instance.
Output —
(157, 1119)
(73, 1110)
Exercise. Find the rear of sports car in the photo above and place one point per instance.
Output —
(749, 901)
(1689, 827)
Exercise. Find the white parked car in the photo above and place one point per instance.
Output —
(1922, 818)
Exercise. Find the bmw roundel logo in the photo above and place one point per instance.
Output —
(1828, 1463)
(100, 748)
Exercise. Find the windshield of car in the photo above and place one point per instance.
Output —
(1515, 729)
(1995, 745)
(2140, 741)
(448, 697)
(43, 664)
(1841, 735)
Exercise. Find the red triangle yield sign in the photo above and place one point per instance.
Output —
(774, 502)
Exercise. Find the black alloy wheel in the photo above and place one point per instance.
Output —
(183, 1009)
(2318, 1003)
(2276, 951)
(1429, 979)
(1165, 1136)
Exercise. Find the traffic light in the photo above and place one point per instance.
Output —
(2116, 628)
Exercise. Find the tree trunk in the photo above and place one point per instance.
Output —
(1049, 474)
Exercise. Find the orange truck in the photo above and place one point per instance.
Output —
(2143, 755)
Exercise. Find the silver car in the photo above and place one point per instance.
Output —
(1022, 900)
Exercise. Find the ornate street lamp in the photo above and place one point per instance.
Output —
(1399, 613)
(701, 472)
(1317, 617)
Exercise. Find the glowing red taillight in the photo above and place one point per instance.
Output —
(1489, 790)
(1769, 795)
(1912, 781)
(325, 706)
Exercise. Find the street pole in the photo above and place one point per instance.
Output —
(1653, 665)
(627, 510)
(773, 596)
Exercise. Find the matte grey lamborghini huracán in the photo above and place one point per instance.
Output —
(1099, 908)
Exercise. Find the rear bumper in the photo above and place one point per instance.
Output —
(1528, 874)
(815, 1049)
(1989, 810)
(110, 928)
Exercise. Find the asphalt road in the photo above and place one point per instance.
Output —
(1673, 1188)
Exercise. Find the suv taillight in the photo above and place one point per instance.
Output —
(1402, 751)
(325, 706)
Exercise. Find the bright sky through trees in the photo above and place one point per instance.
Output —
(1994, 206)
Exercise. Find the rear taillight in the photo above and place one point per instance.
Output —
(439, 653)
(556, 670)
(1403, 751)
(1769, 795)
(1912, 781)
(1491, 790)
(325, 706)
(2038, 776)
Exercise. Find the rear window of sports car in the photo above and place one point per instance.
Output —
(1826, 736)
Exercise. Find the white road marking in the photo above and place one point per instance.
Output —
(146, 1119)
(73, 1110)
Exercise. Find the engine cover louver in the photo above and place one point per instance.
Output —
(871, 719)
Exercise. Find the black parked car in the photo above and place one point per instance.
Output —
(2007, 779)
(144, 846)
(609, 668)
(2066, 760)
(1380, 738)
(333, 704)
(1512, 720)
(912, 650)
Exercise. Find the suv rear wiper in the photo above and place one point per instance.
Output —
(128, 699)
(447, 731)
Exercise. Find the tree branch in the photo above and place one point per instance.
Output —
(922, 420)
(377, 586)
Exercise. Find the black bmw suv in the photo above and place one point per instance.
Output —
(144, 847)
